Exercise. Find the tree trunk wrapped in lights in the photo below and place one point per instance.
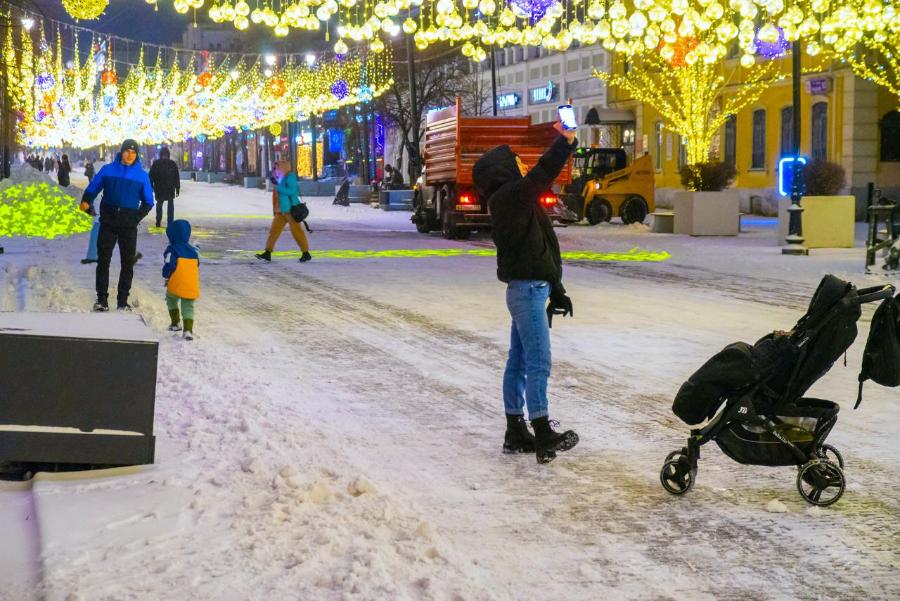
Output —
(691, 95)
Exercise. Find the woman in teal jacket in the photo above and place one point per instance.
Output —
(285, 195)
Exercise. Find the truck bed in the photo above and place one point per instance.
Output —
(453, 144)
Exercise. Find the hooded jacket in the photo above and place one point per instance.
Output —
(181, 267)
(164, 177)
(127, 194)
(527, 247)
(288, 192)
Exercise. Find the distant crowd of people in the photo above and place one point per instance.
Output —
(48, 164)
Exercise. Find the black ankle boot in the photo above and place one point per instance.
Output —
(264, 255)
(547, 441)
(518, 439)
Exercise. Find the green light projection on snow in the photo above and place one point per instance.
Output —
(633, 255)
(40, 210)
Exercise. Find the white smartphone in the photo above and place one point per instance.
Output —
(567, 116)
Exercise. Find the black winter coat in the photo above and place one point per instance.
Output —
(165, 179)
(527, 247)
(62, 175)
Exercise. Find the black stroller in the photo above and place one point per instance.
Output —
(766, 420)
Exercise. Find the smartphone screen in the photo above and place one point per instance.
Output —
(567, 116)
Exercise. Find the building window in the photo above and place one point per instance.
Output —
(819, 122)
(682, 152)
(758, 155)
(501, 58)
(658, 130)
(890, 137)
(731, 140)
(787, 131)
(520, 54)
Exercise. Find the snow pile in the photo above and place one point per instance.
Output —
(776, 506)
(32, 205)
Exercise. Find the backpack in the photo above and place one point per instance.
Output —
(881, 357)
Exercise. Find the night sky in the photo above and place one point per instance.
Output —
(137, 20)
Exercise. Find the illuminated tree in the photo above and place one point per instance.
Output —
(691, 96)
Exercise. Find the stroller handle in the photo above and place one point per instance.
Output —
(876, 293)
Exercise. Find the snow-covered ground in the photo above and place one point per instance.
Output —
(334, 430)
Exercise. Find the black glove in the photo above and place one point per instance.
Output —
(273, 180)
(560, 304)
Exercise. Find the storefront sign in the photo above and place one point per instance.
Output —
(508, 101)
(545, 93)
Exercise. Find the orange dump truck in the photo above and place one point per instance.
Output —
(453, 143)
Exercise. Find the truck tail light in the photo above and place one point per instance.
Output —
(466, 199)
(548, 200)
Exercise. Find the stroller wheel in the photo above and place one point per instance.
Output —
(829, 453)
(676, 476)
(820, 482)
(673, 455)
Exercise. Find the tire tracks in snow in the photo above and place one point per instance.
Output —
(360, 338)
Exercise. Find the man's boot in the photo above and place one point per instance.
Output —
(264, 255)
(547, 441)
(518, 439)
(188, 329)
(175, 326)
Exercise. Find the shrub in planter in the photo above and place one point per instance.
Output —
(713, 176)
(823, 178)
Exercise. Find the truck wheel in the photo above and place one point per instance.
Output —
(450, 230)
(598, 211)
(634, 210)
(424, 221)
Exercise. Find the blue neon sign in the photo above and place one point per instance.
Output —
(786, 173)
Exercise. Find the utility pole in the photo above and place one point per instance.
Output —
(413, 149)
(795, 224)
(493, 81)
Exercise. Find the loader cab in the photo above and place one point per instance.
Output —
(591, 164)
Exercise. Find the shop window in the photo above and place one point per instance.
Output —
(731, 140)
(787, 131)
(890, 137)
(819, 123)
(682, 152)
(758, 154)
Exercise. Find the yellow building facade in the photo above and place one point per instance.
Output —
(844, 119)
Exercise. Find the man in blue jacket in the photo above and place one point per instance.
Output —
(127, 198)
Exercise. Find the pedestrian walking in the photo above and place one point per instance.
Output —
(181, 271)
(286, 194)
(48, 164)
(166, 182)
(89, 170)
(528, 260)
(62, 174)
(127, 198)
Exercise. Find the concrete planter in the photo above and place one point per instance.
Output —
(186, 175)
(215, 178)
(828, 221)
(396, 200)
(707, 213)
(251, 181)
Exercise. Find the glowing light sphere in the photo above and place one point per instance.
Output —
(45, 81)
(275, 129)
(276, 87)
(772, 49)
(85, 9)
(109, 77)
(204, 78)
(340, 89)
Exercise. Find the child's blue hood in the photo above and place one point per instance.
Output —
(178, 232)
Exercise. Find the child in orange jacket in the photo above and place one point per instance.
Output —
(181, 270)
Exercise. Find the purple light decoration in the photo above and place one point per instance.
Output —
(45, 81)
(229, 129)
(536, 8)
(772, 49)
(340, 89)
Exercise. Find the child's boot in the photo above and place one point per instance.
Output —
(175, 326)
(188, 329)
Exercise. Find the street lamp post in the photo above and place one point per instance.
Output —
(414, 111)
(795, 224)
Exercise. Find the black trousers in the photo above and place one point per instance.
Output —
(126, 238)
(170, 214)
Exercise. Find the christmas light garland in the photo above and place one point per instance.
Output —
(89, 104)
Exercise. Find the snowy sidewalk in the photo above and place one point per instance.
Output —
(334, 430)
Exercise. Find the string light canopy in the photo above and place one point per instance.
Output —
(94, 103)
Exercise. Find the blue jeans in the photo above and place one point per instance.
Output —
(92, 244)
(528, 364)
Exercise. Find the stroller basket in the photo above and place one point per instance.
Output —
(805, 424)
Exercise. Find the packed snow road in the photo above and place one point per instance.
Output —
(334, 431)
